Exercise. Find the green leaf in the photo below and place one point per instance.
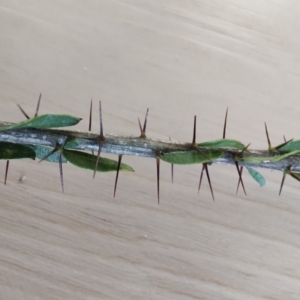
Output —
(275, 158)
(45, 121)
(88, 161)
(291, 146)
(42, 151)
(223, 143)
(257, 176)
(10, 151)
(71, 142)
(191, 157)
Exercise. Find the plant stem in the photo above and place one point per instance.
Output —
(137, 146)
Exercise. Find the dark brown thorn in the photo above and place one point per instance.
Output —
(208, 178)
(101, 123)
(117, 175)
(199, 151)
(284, 138)
(194, 145)
(50, 153)
(6, 172)
(267, 134)
(283, 144)
(38, 106)
(22, 110)
(240, 177)
(238, 185)
(101, 139)
(245, 148)
(145, 122)
(282, 182)
(201, 176)
(141, 129)
(98, 156)
(172, 172)
(294, 176)
(194, 131)
(225, 123)
(61, 171)
(90, 120)
(157, 174)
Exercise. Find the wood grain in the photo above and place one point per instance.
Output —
(179, 58)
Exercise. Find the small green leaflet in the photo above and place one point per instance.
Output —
(223, 143)
(10, 151)
(45, 121)
(275, 158)
(42, 151)
(291, 146)
(88, 161)
(257, 176)
(191, 157)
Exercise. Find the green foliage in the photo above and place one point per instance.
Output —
(15, 151)
(88, 161)
(45, 121)
(42, 152)
(223, 143)
(191, 157)
(276, 158)
(257, 176)
(291, 146)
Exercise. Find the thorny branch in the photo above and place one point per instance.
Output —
(136, 146)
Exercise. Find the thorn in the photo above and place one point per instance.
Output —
(101, 123)
(157, 174)
(225, 123)
(283, 144)
(145, 122)
(238, 185)
(50, 153)
(284, 138)
(269, 143)
(61, 172)
(199, 151)
(282, 182)
(194, 145)
(143, 130)
(205, 167)
(294, 176)
(208, 178)
(101, 139)
(200, 180)
(6, 172)
(22, 110)
(245, 149)
(240, 177)
(38, 106)
(172, 172)
(117, 175)
(90, 121)
(194, 131)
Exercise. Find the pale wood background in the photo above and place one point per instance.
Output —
(179, 58)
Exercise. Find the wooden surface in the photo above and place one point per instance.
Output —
(179, 58)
